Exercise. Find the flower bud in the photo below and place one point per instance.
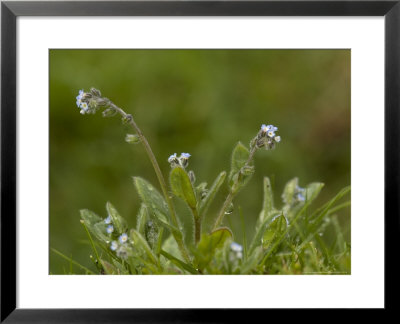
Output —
(109, 112)
(95, 92)
(192, 177)
(132, 138)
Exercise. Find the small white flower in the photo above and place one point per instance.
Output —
(114, 245)
(107, 220)
(110, 229)
(123, 238)
(271, 133)
(277, 139)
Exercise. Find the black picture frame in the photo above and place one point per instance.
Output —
(10, 10)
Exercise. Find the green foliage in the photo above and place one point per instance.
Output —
(207, 246)
(182, 186)
(240, 173)
(287, 237)
(119, 223)
(286, 240)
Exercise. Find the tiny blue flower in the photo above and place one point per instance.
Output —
(185, 155)
(237, 251)
(123, 238)
(114, 245)
(107, 220)
(79, 98)
(236, 247)
(172, 158)
(271, 133)
(300, 197)
(264, 128)
(110, 229)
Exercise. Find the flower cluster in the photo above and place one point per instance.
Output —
(182, 161)
(82, 102)
(89, 102)
(266, 137)
(121, 249)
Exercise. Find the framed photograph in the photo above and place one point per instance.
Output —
(186, 160)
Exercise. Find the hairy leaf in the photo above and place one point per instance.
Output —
(155, 203)
(182, 186)
(274, 230)
(119, 223)
(239, 174)
(209, 243)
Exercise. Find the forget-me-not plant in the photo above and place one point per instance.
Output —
(284, 238)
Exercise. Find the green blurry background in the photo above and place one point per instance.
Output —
(196, 101)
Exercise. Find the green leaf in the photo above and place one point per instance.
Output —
(95, 225)
(179, 263)
(171, 246)
(117, 220)
(289, 192)
(157, 207)
(89, 217)
(319, 215)
(207, 200)
(151, 231)
(161, 220)
(99, 230)
(239, 174)
(141, 243)
(182, 186)
(274, 230)
(268, 204)
(109, 268)
(312, 191)
(209, 243)
(252, 261)
(260, 229)
(142, 218)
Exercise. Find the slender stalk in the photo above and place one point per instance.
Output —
(197, 225)
(160, 177)
(72, 261)
(231, 194)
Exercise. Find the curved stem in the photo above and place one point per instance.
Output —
(160, 177)
(232, 195)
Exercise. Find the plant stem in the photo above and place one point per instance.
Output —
(160, 177)
(197, 225)
(232, 194)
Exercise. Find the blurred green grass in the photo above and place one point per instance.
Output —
(196, 101)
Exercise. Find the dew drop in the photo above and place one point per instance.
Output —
(229, 210)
